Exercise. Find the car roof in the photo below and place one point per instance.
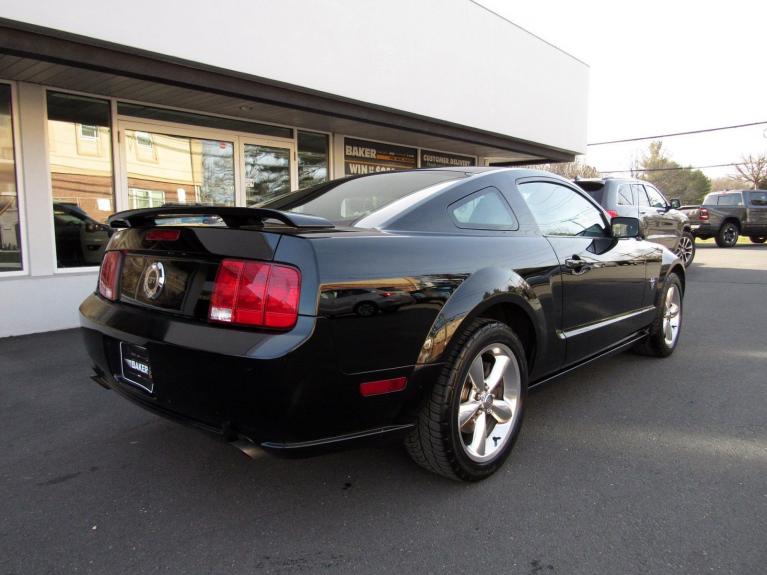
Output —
(722, 192)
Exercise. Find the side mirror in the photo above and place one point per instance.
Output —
(676, 204)
(625, 227)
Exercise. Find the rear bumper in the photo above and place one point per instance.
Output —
(699, 229)
(281, 391)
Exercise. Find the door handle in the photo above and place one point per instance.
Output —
(577, 266)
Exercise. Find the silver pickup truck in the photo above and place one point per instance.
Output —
(727, 215)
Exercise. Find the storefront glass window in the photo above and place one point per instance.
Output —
(165, 169)
(10, 234)
(312, 159)
(267, 172)
(80, 157)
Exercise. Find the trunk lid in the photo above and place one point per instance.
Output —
(174, 271)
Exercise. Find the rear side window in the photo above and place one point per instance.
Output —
(625, 197)
(759, 198)
(640, 194)
(730, 200)
(483, 210)
(561, 211)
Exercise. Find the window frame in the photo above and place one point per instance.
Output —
(57, 270)
(20, 191)
(577, 190)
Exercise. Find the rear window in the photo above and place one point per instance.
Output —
(346, 201)
(594, 188)
(598, 195)
(730, 200)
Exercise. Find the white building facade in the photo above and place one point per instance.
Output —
(108, 106)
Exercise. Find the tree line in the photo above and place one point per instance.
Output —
(690, 185)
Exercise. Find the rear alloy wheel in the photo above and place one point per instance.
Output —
(665, 330)
(758, 239)
(686, 248)
(473, 416)
(728, 235)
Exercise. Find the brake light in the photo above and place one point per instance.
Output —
(109, 274)
(255, 293)
(703, 214)
(612, 213)
(162, 235)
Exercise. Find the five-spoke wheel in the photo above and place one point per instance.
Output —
(672, 315)
(686, 248)
(489, 400)
(473, 414)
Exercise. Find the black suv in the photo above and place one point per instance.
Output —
(660, 220)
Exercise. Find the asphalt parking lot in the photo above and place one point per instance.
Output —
(634, 465)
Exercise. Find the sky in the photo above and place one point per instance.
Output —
(660, 67)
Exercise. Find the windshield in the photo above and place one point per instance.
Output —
(348, 200)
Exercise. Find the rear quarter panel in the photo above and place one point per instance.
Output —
(445, 278)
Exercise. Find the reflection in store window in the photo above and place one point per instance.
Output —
(312, 159)
(10, 234)
(267, 172)
(80, 157)
(145, 198)
(89, 132)
(164, 169)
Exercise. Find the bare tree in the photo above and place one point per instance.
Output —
(752, 169)
(569, 170)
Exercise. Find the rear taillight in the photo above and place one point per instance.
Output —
(255, 293)
(109, 274)
(612, 213)
(703, 214)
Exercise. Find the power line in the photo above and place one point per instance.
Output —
(669, 169)
(677, 134)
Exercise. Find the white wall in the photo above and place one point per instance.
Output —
(36, 304)
(447, 59)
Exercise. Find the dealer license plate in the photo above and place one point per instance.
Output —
(136, 368)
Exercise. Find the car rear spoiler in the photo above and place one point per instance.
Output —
(232, 217)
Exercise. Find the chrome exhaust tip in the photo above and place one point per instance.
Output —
(247, 447)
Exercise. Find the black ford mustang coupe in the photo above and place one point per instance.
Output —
(419, 304)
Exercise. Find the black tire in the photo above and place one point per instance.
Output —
(366, 309)
(758, 239)
(436, 443)
(686, 248)
(727, 236)
(656, 343)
